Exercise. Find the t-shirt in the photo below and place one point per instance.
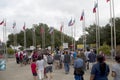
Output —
(74, 55)
(78, 63)
(40, 64)
(116, 69)
(33, 67)
(96, 72)
(86, 54)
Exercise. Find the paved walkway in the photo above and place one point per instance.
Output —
(15, 72)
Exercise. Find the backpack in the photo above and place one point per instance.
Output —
(49, 60)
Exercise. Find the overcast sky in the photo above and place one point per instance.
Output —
(53, 13)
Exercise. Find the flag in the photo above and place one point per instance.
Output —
(24, 27)
(61, 27)
(71, 22)
(14, 24)
(41, 30)
(1, 22)
(107, 0)
(82, 15)
(51, 29)
(95, 6)
(4, 23)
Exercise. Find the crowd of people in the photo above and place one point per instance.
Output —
(42, 63)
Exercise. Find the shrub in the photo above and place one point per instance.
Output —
(105, 49)
(10, 51)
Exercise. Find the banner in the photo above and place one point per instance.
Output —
(65, 45)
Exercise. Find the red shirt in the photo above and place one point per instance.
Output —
(33, 67)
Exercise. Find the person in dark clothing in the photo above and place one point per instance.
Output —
(100, 70)
(57, 57)
(92, 58)
(66, 62)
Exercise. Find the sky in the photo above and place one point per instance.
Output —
(53, 13)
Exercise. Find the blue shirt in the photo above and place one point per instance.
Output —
(96, 72)
(74, 55)
(78, 63)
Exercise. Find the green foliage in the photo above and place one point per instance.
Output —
(38, 37)
(105, 33)
(105, 49)
(10, 51)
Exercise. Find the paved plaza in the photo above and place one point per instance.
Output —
(15, 72)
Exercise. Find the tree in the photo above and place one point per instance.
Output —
(105, 49)
(29, 39)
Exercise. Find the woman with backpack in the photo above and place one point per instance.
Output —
(49, 67)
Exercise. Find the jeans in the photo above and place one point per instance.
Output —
(67, 67)
(78, 77)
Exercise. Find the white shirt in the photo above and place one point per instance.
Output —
(116, 69)
(40, 64)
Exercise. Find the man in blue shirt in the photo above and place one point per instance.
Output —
(78, 68)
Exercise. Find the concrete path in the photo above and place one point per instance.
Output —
(15, 72)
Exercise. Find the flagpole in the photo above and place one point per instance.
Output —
(34, 37)
(111, 25)
(14, 38)
(84, 31)
(4, 40)
(63, 34)
(24, 38)
(98, 25)
(44, 36)
(4, 37)
(114, 27)
(74, 35)
(97, 43)
(52, 39)
(6, 56)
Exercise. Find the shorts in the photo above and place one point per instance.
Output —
(48, 69)
(34, 74)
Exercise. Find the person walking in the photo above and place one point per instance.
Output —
(116, 68)
(49, 67)
(78, 68)
(100, 70)
(40, 67)
(87, 58)
(92, 58)
(33, 69)
(67, 62)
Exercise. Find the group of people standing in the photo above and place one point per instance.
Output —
(21, 57)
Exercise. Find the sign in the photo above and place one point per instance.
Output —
(2, 64)
(80, 46)
(65, 45)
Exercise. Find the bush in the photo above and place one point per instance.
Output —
(10, 51)
(105, 49)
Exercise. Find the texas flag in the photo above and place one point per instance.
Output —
(24, 27)
(14, 24)
(107, 0)
(51, 29)
(71, 22)
(82, 16)
(61, 27)
(1, 22)
(95, 6)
